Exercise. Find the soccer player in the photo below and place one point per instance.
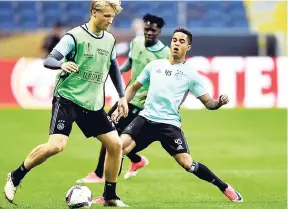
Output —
(79, 96)
(170, 81)
(142, 51)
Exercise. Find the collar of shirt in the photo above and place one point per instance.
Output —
(92, 34)
(156, 47)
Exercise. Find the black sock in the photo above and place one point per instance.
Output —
(202, 172)
(134, 157)
(100, 166)
(110, 191)
(18, 174)
(121, 165)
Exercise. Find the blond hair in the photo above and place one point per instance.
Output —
(100, 4)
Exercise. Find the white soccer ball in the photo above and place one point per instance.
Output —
(79, 196)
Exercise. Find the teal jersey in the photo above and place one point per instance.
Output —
(169, 86)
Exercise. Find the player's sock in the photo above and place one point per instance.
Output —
(134, 157)
(100, 166)
(202, 172)
(121, 165)
(19, 174)
(110, 191)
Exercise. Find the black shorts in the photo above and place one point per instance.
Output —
(123, 122)
(91, 123)
(144, 132)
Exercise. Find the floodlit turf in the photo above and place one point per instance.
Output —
(246, 148)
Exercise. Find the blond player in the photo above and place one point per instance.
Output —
(89, 52)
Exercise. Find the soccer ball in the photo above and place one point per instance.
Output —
(79, 196)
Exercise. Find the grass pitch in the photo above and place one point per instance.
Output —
(246, 148)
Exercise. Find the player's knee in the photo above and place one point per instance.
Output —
(126, 141)
(185, 160)
(118, 145)
(126, 151)
(56, 144)
(186, 165)
(54, 149)
(192, 168)
(115, 147)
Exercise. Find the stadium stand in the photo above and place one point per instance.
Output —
(28, 15)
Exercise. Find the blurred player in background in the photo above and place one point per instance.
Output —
(90, 55)
(160, 119)
(52, 39)
(142, 51)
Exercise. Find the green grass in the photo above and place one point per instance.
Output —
(246, 148)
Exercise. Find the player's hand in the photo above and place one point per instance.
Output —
(69, 67)
(115, 116)
(123, 107)
(223, 99)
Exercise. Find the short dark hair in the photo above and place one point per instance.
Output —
(185, 31)
(154, 19)
(58, 25)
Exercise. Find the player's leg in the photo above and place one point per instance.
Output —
(174, 142)
(136, 137)
(138, 142)
(204, 173)
(100, 165)
(113, 145)
(123, 122)
(60, 128)
(101, 160)
(134, 167)
(97, 175)
(99, 125)
(136, 160)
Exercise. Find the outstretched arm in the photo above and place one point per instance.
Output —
(129, 94)
(131, 90)
(212, 104)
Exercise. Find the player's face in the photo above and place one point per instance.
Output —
(104, 18)
(151, 33)
(179, 45)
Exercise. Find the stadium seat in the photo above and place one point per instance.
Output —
(195, 24)
(239, 23)
(27, 20)
(236, 5)
(25, 5)
(6, 5)
(50, 5)
(122, 22)
(46, 13)
(6, 22)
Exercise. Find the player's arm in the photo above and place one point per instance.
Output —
(116, 78)
(126, 66)
(197, 87)
(54, 61)
(142, 79)
(212, 104)
(128, 63)
(132, 89)
(130, 92)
